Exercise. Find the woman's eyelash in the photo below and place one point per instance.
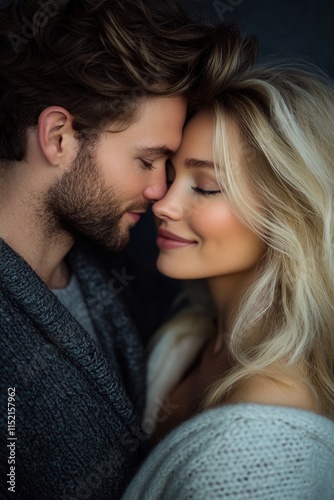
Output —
(204, 192)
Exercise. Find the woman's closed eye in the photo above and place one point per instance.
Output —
(205, 192)
(205, 186)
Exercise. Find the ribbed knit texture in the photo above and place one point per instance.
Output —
(242, 452)
(78, 434)
(71, 297)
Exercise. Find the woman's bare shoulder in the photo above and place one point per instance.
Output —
(276, 388)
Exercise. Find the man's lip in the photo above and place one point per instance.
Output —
(135, 216)
(171, 236)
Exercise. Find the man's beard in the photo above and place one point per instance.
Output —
(80, 204)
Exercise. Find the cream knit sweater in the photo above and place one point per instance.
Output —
(243, 451)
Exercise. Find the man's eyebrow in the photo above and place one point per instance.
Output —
(156, 151)
(194, 162)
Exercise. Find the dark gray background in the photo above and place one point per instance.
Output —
(301, 29)
(298, 29)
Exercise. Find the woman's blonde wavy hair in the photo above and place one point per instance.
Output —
(279, 179)
(285, 122)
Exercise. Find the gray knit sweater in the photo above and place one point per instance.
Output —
(76, 405)
(242, 452)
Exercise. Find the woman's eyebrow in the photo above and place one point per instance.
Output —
(194, 162)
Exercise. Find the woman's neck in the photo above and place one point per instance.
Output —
(227, 293)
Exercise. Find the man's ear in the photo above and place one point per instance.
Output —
(56, 135)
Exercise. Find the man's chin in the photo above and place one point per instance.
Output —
(115, 244)
(111, 236)
(111, 246)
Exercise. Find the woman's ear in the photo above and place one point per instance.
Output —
(56, 135)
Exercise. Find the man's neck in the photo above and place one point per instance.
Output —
(47, 259)
(25, 233)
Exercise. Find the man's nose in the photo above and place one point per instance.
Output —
(157, 187)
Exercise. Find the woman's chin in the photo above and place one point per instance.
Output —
(175, 271)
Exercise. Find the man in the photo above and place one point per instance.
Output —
(92, 102)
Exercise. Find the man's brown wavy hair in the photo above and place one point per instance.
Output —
(97, 59)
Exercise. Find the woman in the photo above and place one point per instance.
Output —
(250, 210)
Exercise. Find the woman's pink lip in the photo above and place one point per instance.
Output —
(168, 241)
(171, 236)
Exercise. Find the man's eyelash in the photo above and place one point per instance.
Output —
(147, 166)
(204, 192)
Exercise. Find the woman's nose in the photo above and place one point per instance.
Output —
(169, 207)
